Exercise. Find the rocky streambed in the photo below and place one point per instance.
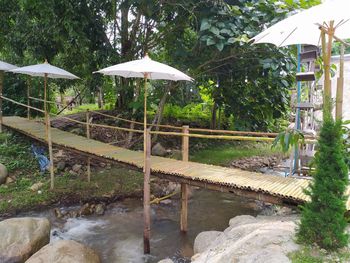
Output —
(116, 234)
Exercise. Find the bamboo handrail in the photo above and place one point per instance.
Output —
(223, 137)
(136, 122)
(52, 102)
(21, 104)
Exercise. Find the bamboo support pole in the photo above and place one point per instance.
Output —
(147, 195)
(326, 52)
(340, 86)
(52, 175)
(48, 135)
(184, 187)
(88, 167)
(1, 88)
(29, 82)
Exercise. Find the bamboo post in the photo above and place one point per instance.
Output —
(48, 133)
(340, 86)
(1, 87)
(52, 175)
(146, 195)
(88, 168)
(327, 51)
(184, 187)
(28, 96)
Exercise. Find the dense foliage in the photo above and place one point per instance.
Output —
(207, 39)
(322, 220)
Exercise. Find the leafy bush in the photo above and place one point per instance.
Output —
(322, 219)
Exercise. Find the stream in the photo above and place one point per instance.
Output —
(117, 235)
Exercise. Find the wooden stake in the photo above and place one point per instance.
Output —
(88, 168)
(146, 195)
(340, 86)
(184, 187)
(1, 87)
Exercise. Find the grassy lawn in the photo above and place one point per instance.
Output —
(223, 154)
(15, 196)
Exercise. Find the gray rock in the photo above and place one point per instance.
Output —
(65, 251)
(99, 209)
(249, 239)
(9, 180)
(77, 168)
(61, 165)
(166, 260)
(22, 237)
(35, 187)
(3, 173)
(159, 150)
(204, 239)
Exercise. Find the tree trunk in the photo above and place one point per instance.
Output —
(132, 125)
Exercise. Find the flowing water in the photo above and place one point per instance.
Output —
(117, 235)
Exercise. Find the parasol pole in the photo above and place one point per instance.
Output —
(29, 84)
(146, 178)
(1, 87)
(48, 134)
(340, 86)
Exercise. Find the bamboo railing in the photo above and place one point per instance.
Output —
(184, 134)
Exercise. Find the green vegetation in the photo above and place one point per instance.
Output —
(316, 255)
(223, 154)
(17, 196)
(322, 219)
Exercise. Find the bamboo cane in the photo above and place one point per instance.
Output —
(48, 134)
(184, 187)
(340, 86)
(146, 195)
(1, 87)
(29, 82)
(88, 166)
(327, 51)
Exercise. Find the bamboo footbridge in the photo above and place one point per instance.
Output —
(269, 188)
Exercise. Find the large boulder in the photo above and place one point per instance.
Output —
(22, 237)
(249, 239)
(204, 239)
(159, 150)
(3, 173)
(65, 251)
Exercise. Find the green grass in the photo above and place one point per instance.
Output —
(223, 154)
(315, 255)
(85, 107)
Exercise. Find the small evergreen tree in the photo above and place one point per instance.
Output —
(322, 219)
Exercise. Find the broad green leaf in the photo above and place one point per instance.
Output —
(204, 25)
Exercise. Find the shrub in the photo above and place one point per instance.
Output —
(322, 219)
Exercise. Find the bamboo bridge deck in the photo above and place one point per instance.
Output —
(270, 188)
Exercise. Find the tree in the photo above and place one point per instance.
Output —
(322, 219)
